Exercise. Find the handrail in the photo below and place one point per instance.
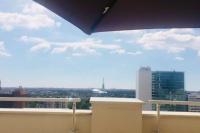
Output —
(32, 99)
(161, 102)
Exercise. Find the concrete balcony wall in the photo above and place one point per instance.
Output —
(42, 121)
(107, 116)
(116, 115)
(171, 122)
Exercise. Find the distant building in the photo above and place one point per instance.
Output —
(101, 90)
(144, 86)
(195, 97)
(4, 91)
(169, 85)
(161, 85)
(20, 92)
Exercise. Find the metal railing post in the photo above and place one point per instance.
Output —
(52, 102)
(158, 117)
(74, 117)
(158, 103)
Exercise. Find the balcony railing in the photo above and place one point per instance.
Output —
(31, 99)
(113, 115)
(158, 103)
(62, 100)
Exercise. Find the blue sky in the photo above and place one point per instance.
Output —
(40, 49)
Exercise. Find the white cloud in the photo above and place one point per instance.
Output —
(87, 46)
(40, 46)
(179, 58)
(118, 51)
(58, 50)
(130, 32)
(3, 51)
(135, 53)
(31, 39)
(34, 8)
(10, 21)
(38, 43)
(118, 40)
(172, 41)
(79, 48)
(77, 54)
(33, 16)
(175, 49)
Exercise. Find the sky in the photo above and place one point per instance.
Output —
(40, 49)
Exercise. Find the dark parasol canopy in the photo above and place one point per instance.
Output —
(114, 15)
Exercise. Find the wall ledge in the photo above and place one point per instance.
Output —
(44, 111)
(115, 100)
(172, 114)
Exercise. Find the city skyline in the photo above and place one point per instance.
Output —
(40, 49)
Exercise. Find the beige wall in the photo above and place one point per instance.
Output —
(172, 122)
(107, 116)
(116, 115)
(42, 121)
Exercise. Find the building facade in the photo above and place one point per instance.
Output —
(169, 85)
(18, 92)
(161, 85)
(195, 97)
(144, 86)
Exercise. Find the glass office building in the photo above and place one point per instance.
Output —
(169, 85)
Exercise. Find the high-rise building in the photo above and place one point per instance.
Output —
(169, 85)
(195, 97)
(144, 86)
(161, 85)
